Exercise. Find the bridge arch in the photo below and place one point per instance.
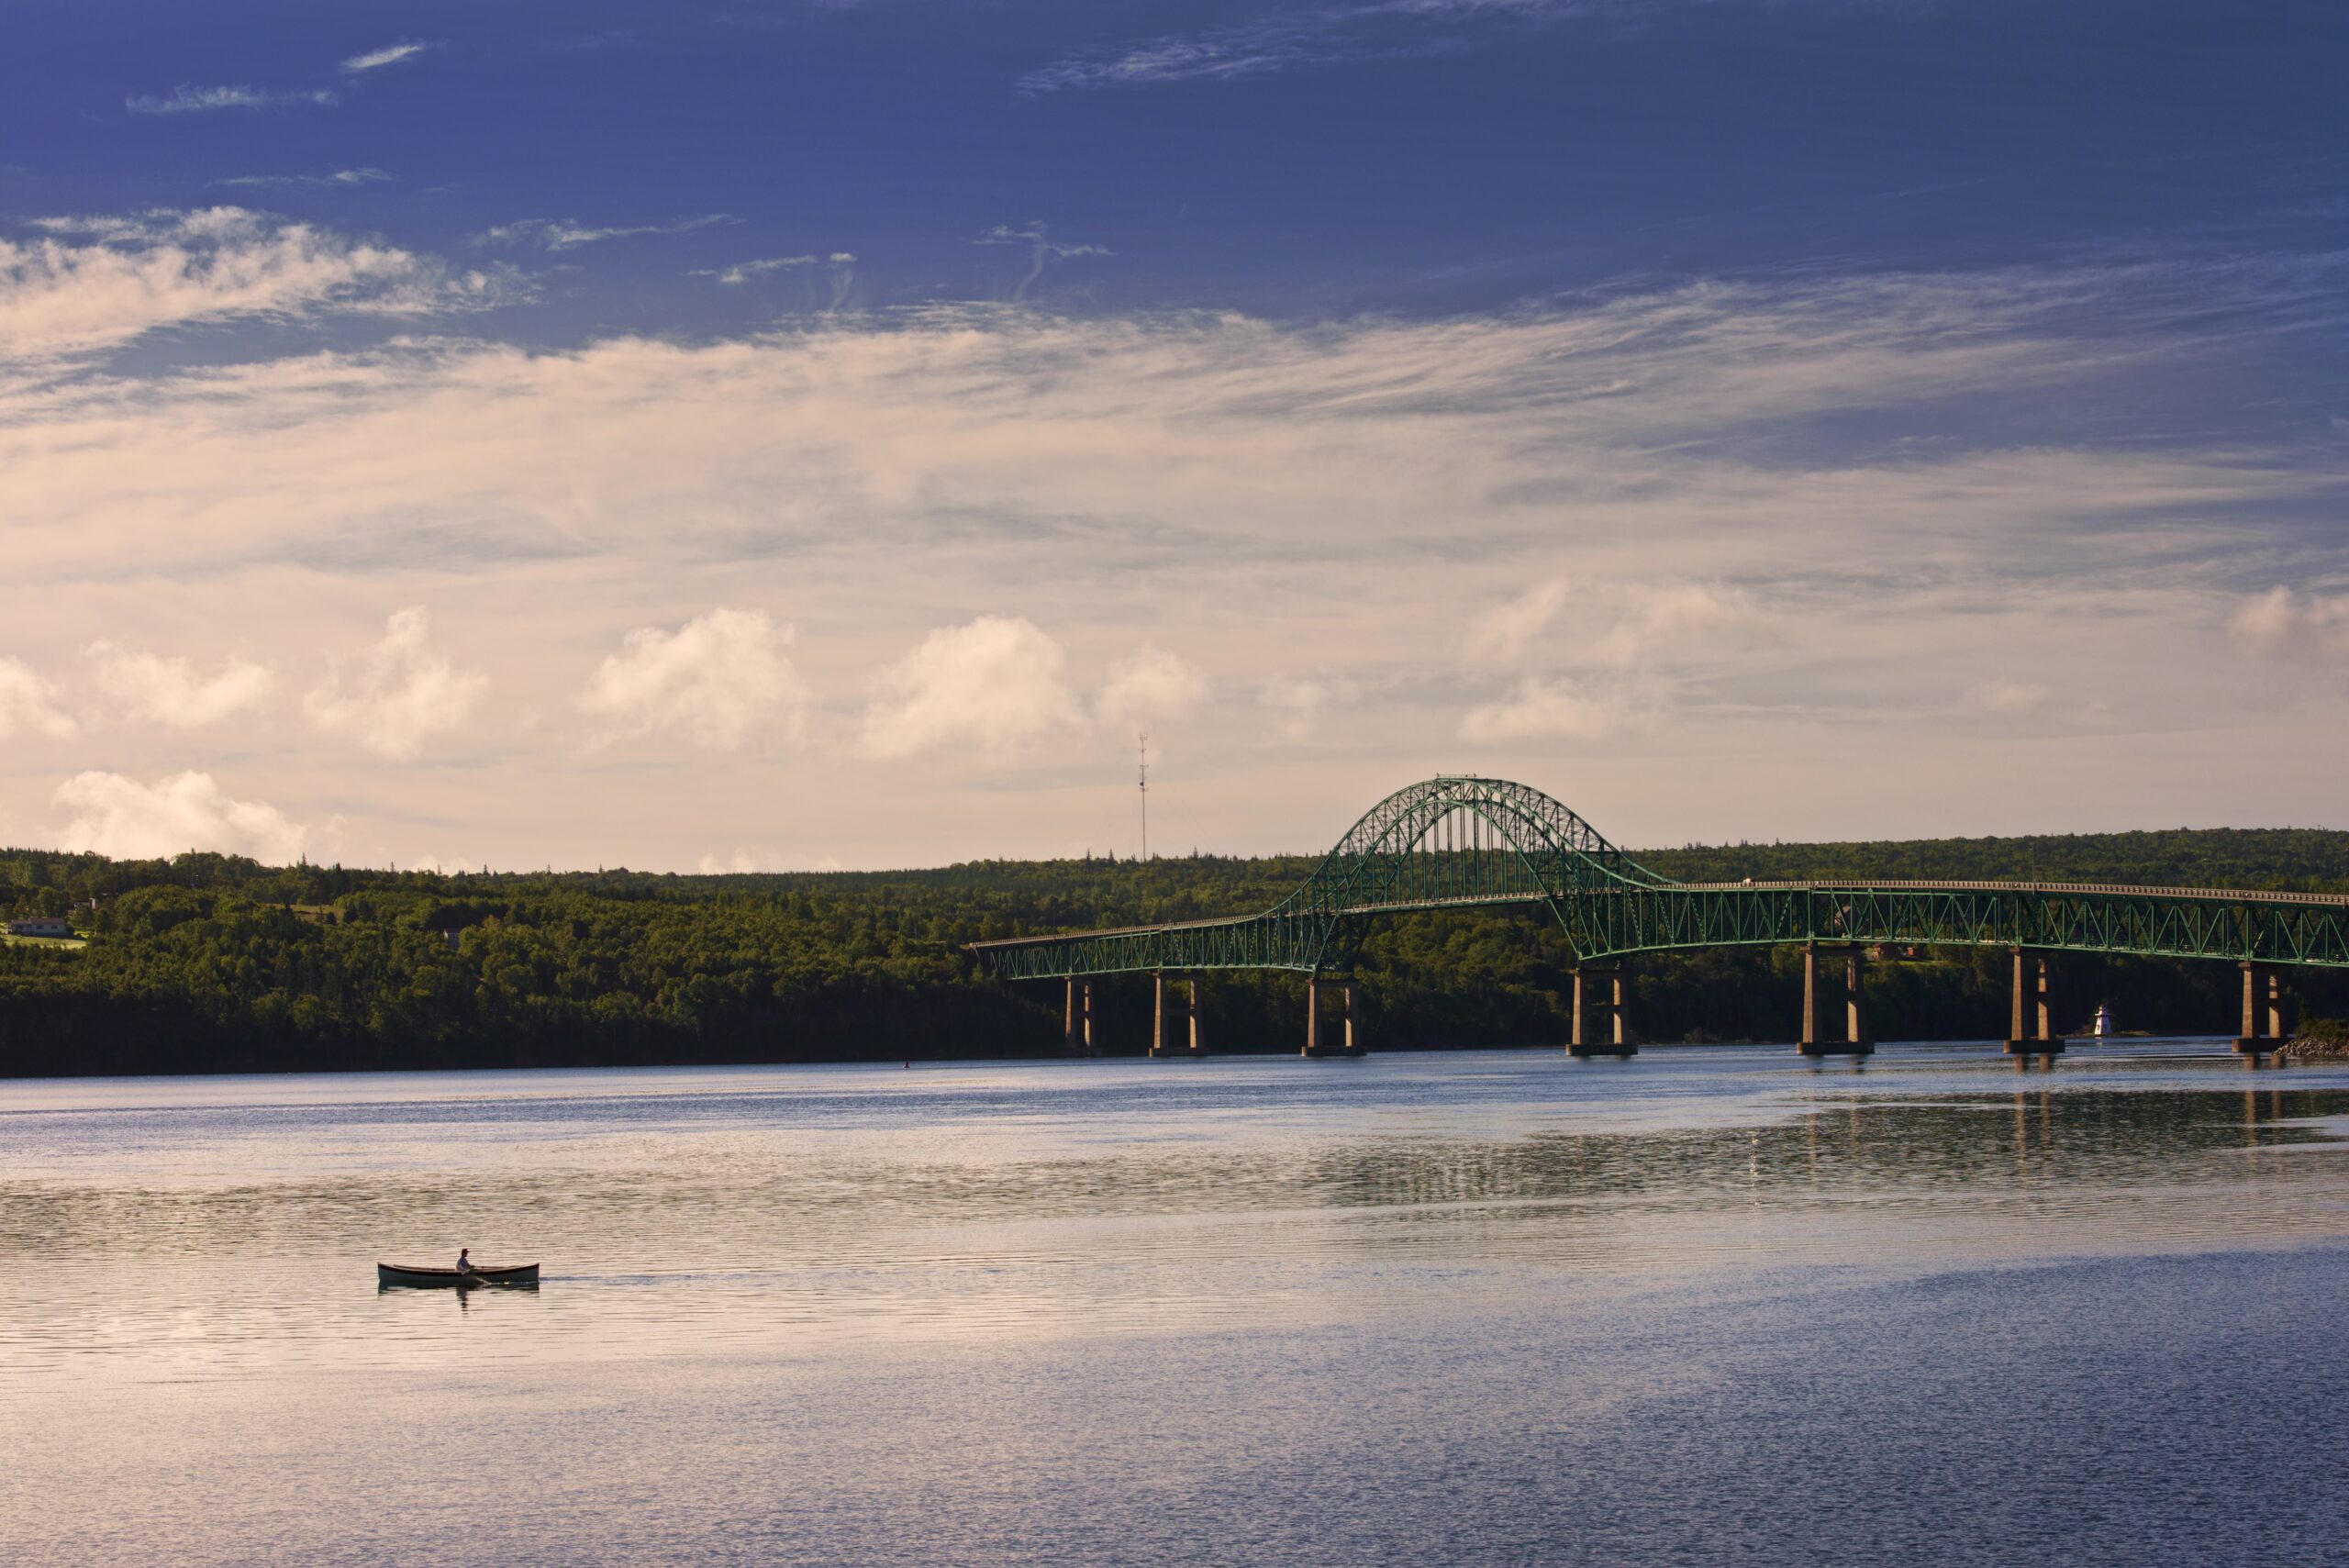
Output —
(1462, 841)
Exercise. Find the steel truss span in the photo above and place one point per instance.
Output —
(1462, 842)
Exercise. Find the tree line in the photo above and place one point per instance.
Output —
(208, 962)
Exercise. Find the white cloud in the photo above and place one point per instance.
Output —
(1233, 441)
(716, 679)
(1042, 250)
(186, 99)
(748, 858)
(1331, 502)
(28, 703)
(2005, 696)
(992, 687)
(565, 234)
(1151, 684)
(1296, 701)
(111, 815)
(398, 693)
(132, 275)
(1545, 709)
(340, 177)
(2280, 621)
(1676, 620)
(169, 692)
(743, 272)
(1296, 36)
(1506, 632)
(390, 54)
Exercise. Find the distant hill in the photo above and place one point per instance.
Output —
(210, 962)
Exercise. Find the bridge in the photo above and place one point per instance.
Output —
(1463, 842)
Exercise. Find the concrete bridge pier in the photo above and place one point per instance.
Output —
(2266, 1026)
(2031, 1031)
(1856, 1040)
(1076, 1021)
(1607, 995)
(1315, 1044)
(1186, 1041)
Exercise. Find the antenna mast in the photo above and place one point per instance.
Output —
(1146, 796)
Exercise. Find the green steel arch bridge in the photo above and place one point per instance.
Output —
(1458, 842)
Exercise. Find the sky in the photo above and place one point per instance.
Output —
(781, 434)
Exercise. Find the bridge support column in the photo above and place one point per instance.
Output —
(2265, 1025)
(1815, 1040)
(1855, 1008)
(2032, 1030)
(1315, 1043)
(1076, 1021)
(1606, 995)
(1185, 1042)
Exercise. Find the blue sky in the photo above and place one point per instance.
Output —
(1768, 418)
(1427, 157)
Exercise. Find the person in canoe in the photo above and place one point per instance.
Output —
(465, 1260)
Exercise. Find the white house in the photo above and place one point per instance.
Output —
(41, 926)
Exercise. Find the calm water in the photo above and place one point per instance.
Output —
(1710, 1306)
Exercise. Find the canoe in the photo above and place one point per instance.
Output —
(486, 1274)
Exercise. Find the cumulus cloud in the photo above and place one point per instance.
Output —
(1337, 500)
(748, 858)
(1151, 684)
(170, 692)
(111, 815)
(2280, 621)
(992, 688)
(186, 99)
(715, 681)
(397, 693)
(1541, 708)
(93, 282)
(390, 54)
(29, 703)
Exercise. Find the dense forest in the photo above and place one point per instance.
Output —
(210, 963)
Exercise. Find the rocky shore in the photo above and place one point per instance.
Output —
(2319, 1038)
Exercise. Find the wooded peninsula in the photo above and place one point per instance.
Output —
(210, 963)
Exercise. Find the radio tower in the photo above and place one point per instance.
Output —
(1146, 796)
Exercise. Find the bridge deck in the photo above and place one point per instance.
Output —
(1463, 842)
(2097, 889)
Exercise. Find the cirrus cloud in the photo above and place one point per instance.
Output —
(189, 99)
(390, 54)
(93, 283)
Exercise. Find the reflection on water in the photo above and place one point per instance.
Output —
(205, 1250)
